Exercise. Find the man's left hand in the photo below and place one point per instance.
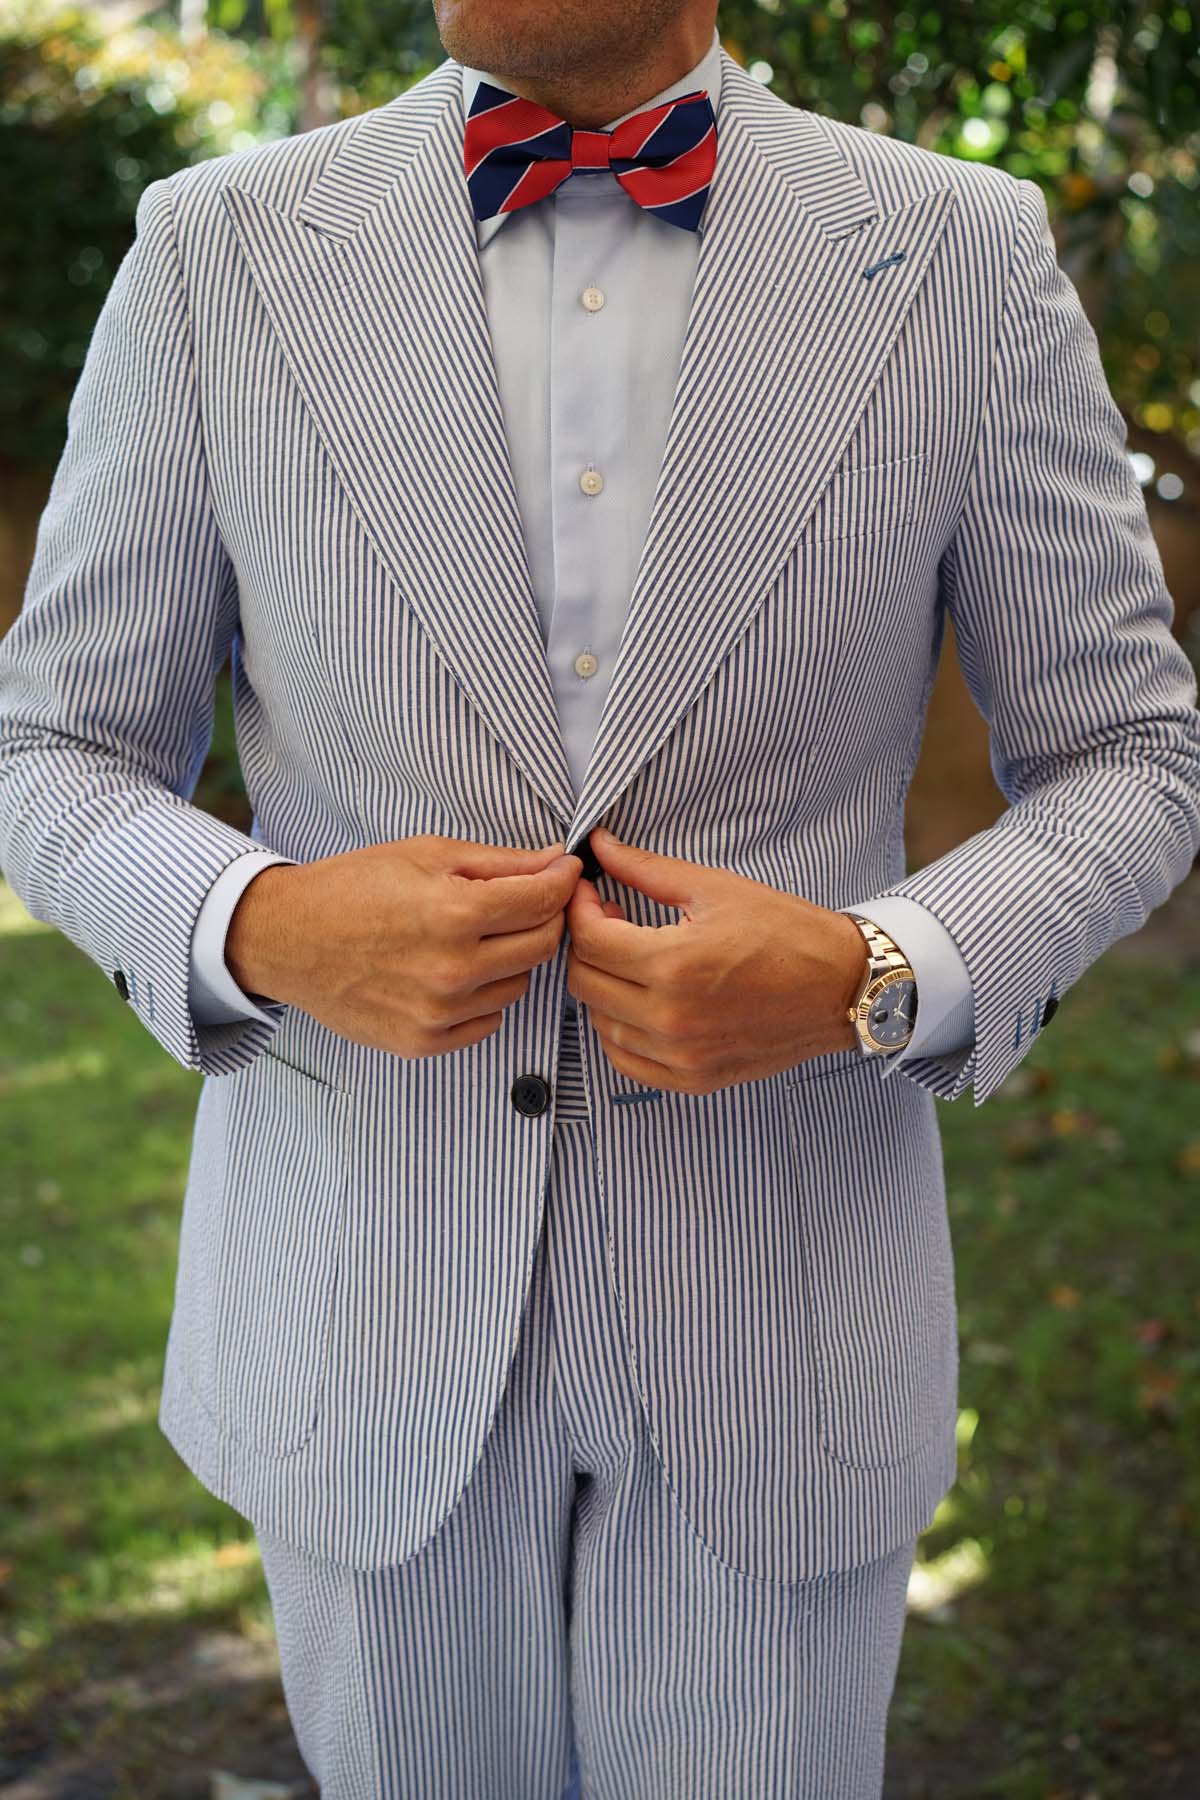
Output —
(750, 982)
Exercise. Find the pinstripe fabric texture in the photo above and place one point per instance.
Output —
(565, 1621)
(260, 457)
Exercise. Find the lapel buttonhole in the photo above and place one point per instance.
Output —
(897, 256)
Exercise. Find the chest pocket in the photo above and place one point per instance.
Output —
(864, 500)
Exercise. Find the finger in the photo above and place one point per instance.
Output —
(515, 902)
(603, 937)
(611, 996)
(634, 1039)
(586, 897)
(460, 856)
(589, 892)
(642, 1068)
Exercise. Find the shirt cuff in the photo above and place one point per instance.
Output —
(945, 1000)
(214, 997)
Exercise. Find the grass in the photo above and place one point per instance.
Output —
(1053, 1647)
(1069, 1664)
(113, 1556)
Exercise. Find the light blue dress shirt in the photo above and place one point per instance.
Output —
(587, 299)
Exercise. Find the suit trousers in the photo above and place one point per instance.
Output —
(565, 1629)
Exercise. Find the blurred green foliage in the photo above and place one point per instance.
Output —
(367, 52)
(1100, 104)
(88, 117)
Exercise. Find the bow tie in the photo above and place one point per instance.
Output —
(516, 152)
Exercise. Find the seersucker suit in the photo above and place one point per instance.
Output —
(848, 460)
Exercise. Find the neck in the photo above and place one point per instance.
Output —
(589, 100)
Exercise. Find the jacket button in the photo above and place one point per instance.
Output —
(1050, 1008)
(121, 984)
(530, 1095)
(592, 868)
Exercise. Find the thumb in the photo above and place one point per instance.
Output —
(483, 861)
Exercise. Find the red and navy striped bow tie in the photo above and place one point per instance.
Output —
(516, 152)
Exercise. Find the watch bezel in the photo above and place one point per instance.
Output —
(866, 1001)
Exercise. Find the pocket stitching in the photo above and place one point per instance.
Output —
(845, 478)
(318, 1081)
(859, 1061)
(819, 1331)
(335, 1099)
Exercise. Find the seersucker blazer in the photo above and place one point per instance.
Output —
(287, 442)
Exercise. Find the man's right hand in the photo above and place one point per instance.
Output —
(414, 946)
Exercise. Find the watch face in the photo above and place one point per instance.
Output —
(893, 1014)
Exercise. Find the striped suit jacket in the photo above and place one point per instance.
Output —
(890, 407)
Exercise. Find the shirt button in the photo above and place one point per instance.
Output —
(585, 663)
(591, 481)
(592, 298)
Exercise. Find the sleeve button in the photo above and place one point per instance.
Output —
(121, 984)
(1049, 1010)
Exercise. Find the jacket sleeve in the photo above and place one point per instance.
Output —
(1063, 628)
(107, 676)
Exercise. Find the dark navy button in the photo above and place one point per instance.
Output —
(1050, 1008)
(592, 869)
(530, 1095)
(121, 984)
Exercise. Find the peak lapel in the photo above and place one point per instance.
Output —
(373, 287)
(785, 340)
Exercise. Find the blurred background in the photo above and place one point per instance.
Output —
(1053, 1645)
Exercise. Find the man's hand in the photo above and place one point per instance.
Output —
(749, 983)
(415, 946)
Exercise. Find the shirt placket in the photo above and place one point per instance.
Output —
(588, 423)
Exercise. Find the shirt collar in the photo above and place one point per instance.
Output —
(706, 74)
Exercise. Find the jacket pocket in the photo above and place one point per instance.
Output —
(260, 1250)
(878, 1260)
(867, 498)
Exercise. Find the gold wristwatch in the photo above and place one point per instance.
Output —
(885, 1013)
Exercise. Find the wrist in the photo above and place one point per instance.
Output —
(258, 951)
(889, 980)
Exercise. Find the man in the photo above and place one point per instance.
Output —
(565, 1288)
